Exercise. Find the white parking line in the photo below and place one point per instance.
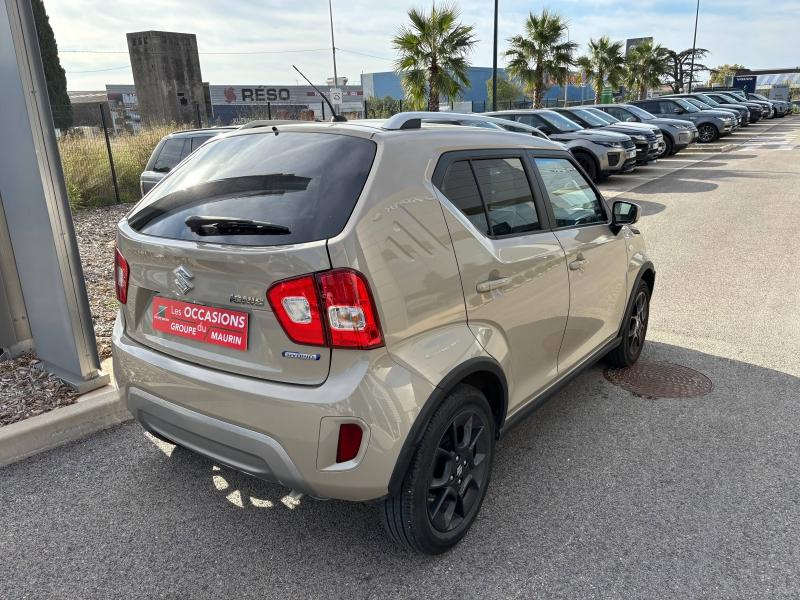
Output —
(740, 141)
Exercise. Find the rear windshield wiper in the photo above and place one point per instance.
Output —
(233, 226)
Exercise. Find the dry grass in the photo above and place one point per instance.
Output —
(87, 171)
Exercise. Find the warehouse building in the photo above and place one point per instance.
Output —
(233, 104)
(475, 97)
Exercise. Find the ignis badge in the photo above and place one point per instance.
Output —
(300, 355)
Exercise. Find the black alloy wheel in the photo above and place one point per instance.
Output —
(446, 481)
(707, 133)
(637, 323)
(634, 330)
(669, 147)
(459, 472)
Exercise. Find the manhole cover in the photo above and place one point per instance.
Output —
(660, 380)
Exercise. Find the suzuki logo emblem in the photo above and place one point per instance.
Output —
(183, 279)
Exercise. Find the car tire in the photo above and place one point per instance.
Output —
(634, 330)
(669, 147)
(447, 478)
(707, 133)
(587, 163)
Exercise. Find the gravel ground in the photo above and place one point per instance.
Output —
(26, 390)
(95, 229)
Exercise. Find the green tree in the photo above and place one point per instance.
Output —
(645, 65)
(680, 66)
(432, 55)
(604, 64)
(382, 108)
(54, 74)
(722, 72)
(507, 91)
(540, 55)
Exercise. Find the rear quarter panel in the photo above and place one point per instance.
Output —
(397, 237)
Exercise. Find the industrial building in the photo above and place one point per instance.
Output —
(166, 73)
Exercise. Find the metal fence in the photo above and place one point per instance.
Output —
(105, 151)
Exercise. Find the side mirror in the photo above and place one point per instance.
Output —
(545, 130)
(631, 119)
(623, 213)
(678, 110)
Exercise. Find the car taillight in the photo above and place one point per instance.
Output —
(121, 274)
(352, 317)
(349, 442)
(296, 304)
(333, 308)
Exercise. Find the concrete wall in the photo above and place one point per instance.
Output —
(166, 73)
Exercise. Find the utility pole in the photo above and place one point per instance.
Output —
(494, 61)
(566, 83)
(694, 46)
(333, 46)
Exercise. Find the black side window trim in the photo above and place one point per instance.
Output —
(532, 155)
(448, 158)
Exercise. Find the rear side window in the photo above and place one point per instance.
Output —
(199, 141)
(461, 189)
(507, 194)
(169, 155)
(573, 200)
(618, 113)
(494, 194)
(306, 183)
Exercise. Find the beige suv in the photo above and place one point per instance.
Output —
(360, 310)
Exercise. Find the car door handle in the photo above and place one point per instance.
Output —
(578, 264)
(492, 284)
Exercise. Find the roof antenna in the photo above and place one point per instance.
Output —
(336, 118)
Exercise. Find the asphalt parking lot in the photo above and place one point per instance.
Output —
(600, 494)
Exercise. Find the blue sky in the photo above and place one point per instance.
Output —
(756, 34)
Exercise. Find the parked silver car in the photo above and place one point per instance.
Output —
(711, 124)
(171, 150)
(677, 134)
(648, 139)
(360, 310)
(600, 153)
(741, 114)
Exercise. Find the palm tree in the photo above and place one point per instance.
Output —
(433, 55)
(540, 54)
(645, 65)
(604, 63)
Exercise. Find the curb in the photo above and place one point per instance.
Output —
(93, 412)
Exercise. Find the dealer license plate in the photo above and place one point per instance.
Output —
(206, 324)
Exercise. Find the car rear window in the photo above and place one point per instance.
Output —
(306, 182)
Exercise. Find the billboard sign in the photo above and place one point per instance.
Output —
(631, 43)
(745, 82)
(244, 95)
(779, 91)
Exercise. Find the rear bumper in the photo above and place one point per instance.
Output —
(236, 447)
(278, 432)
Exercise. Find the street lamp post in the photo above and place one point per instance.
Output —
(566, 83)
(694, 46)
(494, 61)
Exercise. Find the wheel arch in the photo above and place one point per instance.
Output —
(647, 273)
(596, 161)
(482, 372)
